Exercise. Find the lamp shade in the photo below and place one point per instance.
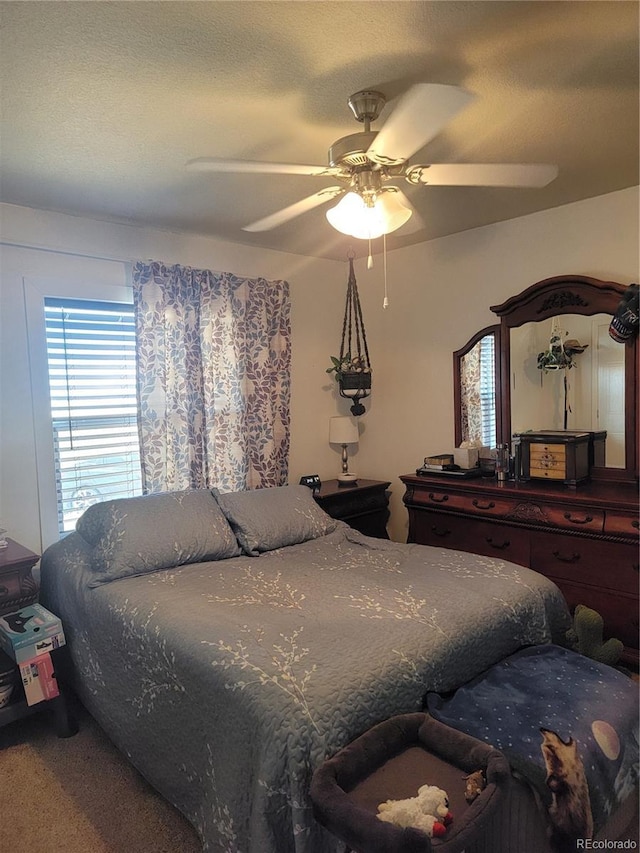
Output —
(353, 217)
(343, 431)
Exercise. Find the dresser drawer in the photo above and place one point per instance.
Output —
(607, 565)
(619, 612)
(618, 523)
(463, 534)
(575, 518)
(474, 504)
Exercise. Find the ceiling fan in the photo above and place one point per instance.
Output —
(366, 163)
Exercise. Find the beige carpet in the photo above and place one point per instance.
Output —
(80, 795)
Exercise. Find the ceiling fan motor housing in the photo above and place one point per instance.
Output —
(350, 151)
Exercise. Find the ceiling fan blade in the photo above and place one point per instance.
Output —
(256, 167)
(287, 213)
(482, 175)
(419, 116)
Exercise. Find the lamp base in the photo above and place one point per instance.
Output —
(347, 480)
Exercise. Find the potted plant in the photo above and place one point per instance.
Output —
(352, 374)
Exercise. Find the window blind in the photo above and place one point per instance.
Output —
(91, 358)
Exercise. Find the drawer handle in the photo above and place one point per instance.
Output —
(4, 591)
(442, 531)
(499, 547)
(438, 500)
(585, 520)
(635, 523)
(572, 559)
(478, 505)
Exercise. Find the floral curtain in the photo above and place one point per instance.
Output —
(213, 377)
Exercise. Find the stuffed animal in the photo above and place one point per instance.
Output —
(428, 811)
(475, 784)
(586, 637)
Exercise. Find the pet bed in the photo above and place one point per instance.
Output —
(391, 761)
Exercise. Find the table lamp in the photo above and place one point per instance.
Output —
(344, 431)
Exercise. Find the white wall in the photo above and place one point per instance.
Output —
(439, 294)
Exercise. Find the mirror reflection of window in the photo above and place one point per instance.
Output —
(478, 397)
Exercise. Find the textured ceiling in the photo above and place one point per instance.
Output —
(103, 103)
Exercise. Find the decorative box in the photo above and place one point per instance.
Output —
(562, 455)
(466, 457)
(39, 679)
(30, 632)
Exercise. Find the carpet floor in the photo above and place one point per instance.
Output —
(79, 794)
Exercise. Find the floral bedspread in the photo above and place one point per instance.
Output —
(227, 683)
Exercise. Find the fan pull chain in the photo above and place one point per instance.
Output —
(370, 258)
(385, 301)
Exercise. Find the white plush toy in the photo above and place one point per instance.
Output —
(429, 811)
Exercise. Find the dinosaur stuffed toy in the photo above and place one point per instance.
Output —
(585, 636)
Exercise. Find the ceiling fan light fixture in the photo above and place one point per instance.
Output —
(352, 216)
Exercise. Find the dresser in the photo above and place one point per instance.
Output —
(584, 539)
(365, 506)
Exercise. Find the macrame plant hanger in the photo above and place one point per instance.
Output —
(355, 375)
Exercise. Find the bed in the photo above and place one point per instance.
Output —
(228, 644)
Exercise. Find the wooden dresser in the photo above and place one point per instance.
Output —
(585, 539)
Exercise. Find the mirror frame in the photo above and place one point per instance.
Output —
(457, 384)
(572, 294)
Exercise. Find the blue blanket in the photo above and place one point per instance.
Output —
(572, 697)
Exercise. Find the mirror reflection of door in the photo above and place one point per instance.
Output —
(594, 398)
(608, 396)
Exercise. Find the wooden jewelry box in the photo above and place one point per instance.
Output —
(563, 455)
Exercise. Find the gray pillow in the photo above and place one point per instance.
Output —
(132, 536)
(264, 519)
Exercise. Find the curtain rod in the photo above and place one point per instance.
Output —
(36, 248)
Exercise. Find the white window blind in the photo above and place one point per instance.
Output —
(91, 357)
(488, 390)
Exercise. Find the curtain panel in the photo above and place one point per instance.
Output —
(213, 378)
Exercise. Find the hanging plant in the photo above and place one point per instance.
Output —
(560, 355)
(556, 357)
(343, 367)
(352, 367)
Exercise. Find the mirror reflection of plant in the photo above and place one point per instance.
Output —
(556, 357)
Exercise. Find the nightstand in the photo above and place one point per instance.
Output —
(17, 586)
(18, 590)
(365, 506)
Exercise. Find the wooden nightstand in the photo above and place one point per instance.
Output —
(17, 586)
(18, 589)
(365, 506)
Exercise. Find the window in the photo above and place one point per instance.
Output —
(92, 376)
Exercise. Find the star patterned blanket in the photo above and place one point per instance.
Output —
(227, 682)
(560, 718)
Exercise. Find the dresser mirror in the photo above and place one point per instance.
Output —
(598, 391)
